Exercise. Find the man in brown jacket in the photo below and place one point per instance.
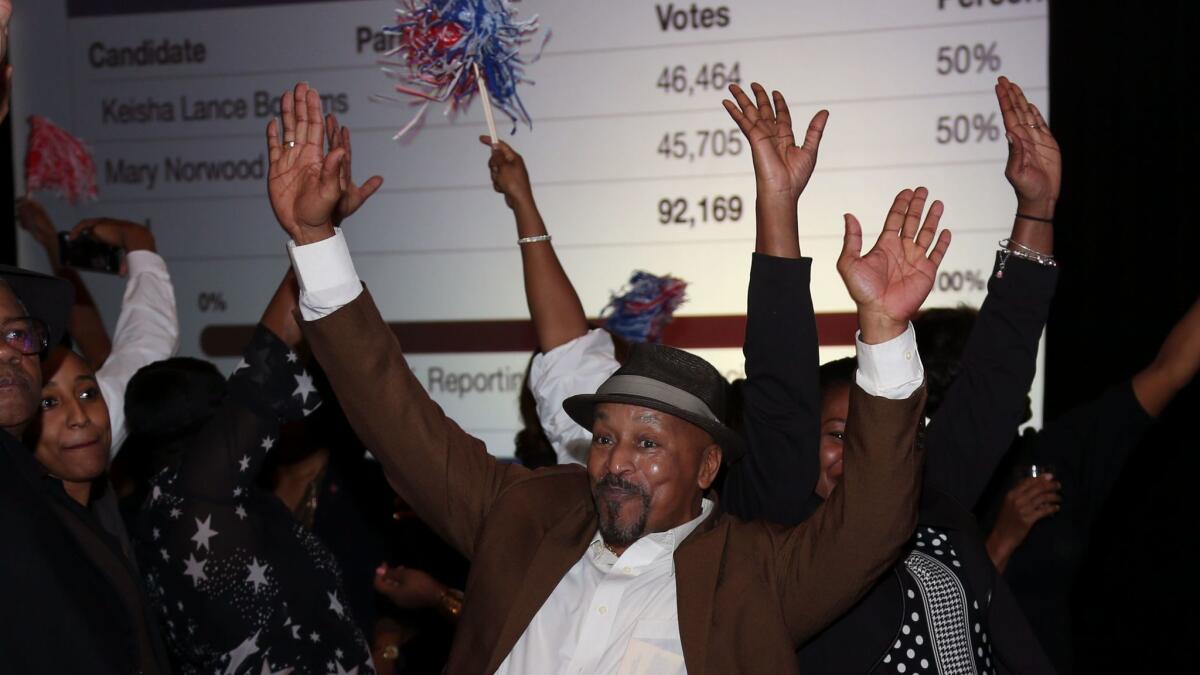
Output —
(625, 567)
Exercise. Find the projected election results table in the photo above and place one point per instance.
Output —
(635, 163)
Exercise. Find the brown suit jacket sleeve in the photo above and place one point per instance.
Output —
(825, 564)
(445, 475)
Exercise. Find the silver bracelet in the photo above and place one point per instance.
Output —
(533, 240)
(1024, 252)
(1005, 243)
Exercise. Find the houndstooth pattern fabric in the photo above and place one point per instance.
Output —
(946, 604)
(943, 629)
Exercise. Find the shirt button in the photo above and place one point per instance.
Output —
(628, 570)
(602, 610)
(908, 355)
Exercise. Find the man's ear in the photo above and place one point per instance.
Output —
(710, 465)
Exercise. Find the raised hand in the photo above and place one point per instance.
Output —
(353, 195)
(1034, 162)
(891, 281)
(303, 182)
(509, 176)
(780, 166)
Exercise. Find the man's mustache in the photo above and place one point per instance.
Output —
(10, 376)
(614, 482)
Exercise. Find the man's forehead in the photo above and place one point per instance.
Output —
(640, 414)
(611, 411)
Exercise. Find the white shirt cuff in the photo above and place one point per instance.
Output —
(891, 369)
(328, 280)
(139, 262)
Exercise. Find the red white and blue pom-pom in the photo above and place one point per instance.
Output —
(444, 43)
(57, 161)
(645, 307)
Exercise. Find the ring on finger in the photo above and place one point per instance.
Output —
(289, 144)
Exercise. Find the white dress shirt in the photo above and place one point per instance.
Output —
(147, 331)
(607, 614)
(610, 614)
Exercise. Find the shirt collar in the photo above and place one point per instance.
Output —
(652, 548)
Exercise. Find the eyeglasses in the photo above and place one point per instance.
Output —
(26, 335)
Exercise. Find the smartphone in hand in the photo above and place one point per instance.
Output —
(86, 253)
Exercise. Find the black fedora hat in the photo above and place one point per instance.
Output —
(669, 380)
(45, 297)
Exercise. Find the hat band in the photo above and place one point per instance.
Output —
(637, 385)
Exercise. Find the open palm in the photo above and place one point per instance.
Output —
(780, 165)
(1034, 165)
(893, 279)
(302, 181)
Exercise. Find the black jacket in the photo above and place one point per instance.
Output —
(970, 435)
(781, 420)
(70, 601)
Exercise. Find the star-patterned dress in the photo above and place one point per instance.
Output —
(242, 587)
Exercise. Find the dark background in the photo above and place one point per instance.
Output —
(1120, 78)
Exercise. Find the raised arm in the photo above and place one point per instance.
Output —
(827, 562)
(572, 360)
(444, 474)
(1175, 366)
(781, 419)
(84, 324)
(974, 426)
(269, 386)
(148, 325)
(1088, 446)
(554, 305)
